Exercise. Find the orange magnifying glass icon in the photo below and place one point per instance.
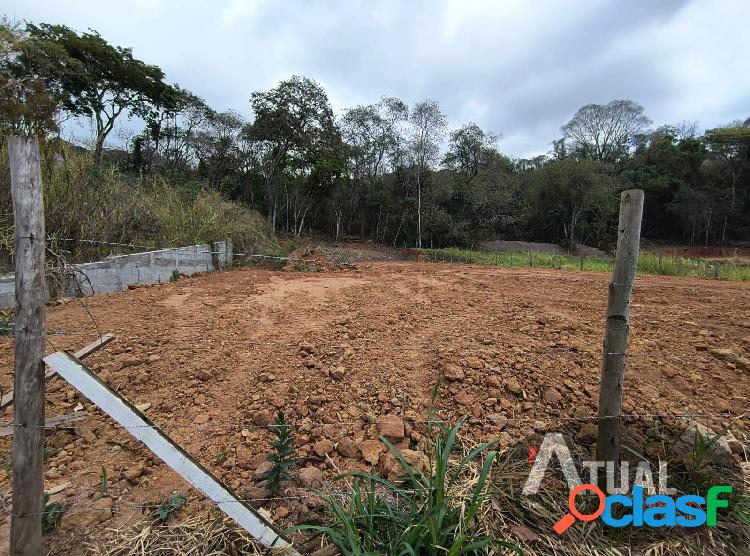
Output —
(570, 518)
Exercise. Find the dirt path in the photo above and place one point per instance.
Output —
(217, 355)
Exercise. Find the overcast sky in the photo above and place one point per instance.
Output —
(520, 68)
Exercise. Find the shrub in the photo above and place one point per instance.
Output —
(51, 514)
(282, 458)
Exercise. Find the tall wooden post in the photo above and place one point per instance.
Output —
(29, 343)
(617, 323)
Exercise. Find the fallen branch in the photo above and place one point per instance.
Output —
(61, 422)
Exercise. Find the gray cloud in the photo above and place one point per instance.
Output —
(518, 68)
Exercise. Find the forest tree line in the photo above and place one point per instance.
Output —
(386, 172)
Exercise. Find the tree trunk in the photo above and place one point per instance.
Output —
(99, 147)
(419, 209)
(273, 215)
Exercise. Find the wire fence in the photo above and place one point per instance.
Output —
(331, 488)
(733, 269)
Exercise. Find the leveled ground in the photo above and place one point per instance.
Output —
(216, 354)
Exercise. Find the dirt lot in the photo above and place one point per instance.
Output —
(217, 355)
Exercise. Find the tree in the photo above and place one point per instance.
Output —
(469, 148)
(731, 145)
(373, 133)
(217, 150)
(374, 137)
(604, 132)
(289, 120)
(171, 126)
(571, 201)
(428, 125)
(91, 78)
(26, 105)
(663, 165)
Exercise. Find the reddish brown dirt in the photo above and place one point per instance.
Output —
(212, 352)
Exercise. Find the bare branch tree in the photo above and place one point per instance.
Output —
(428, 126)
(604, 131)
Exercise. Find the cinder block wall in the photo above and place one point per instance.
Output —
(150, 267)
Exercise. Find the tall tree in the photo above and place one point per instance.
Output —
(428, 126)
(26, 104)
(289, 119)
(374, 136)
(469, 148)
(93, 79)
(604, 132)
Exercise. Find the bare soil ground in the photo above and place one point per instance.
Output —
(217, 355)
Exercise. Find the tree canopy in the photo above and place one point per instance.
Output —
(385, 172)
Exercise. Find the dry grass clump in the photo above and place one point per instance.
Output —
(509, 515)
(200, 535)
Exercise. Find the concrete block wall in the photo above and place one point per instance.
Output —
(8, 291)
(150, 267)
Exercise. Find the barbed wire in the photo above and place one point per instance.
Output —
(311, 494)
(743, 415)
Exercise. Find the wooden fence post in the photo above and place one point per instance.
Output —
(661, 262)
(616, 328)
(29, 344)
(581, 261)
(717, 269)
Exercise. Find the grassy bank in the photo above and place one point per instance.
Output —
(648, 263)
(86, 201)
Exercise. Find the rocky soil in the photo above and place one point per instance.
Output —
(355, 354)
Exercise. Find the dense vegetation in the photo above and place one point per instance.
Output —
(384, 172)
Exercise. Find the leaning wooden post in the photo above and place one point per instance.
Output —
(616, 328)
(29, 343)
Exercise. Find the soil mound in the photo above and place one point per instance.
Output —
(311, 260)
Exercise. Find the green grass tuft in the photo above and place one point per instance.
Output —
(424, 516)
